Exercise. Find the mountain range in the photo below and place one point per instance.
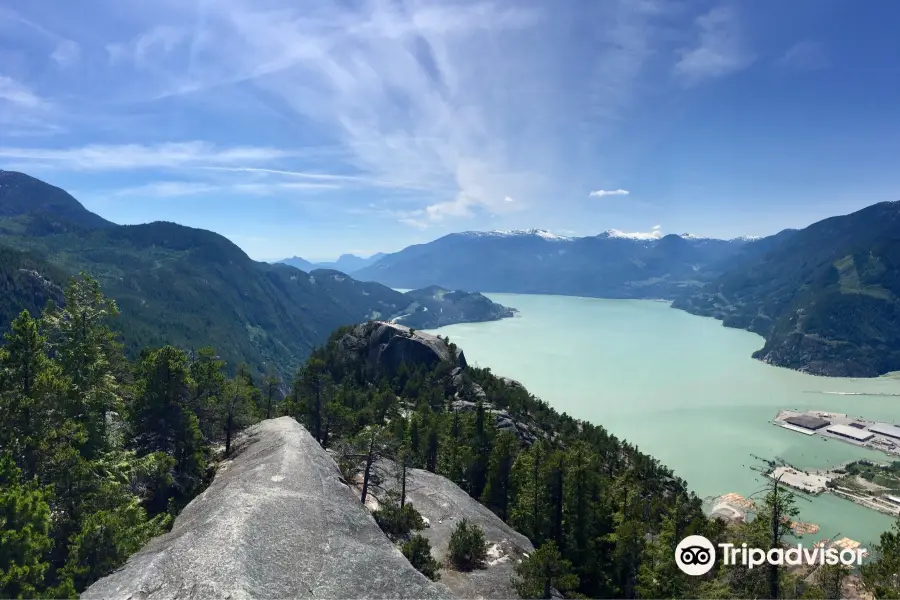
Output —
(190, 287)
(825, 298)
(609, 265)
(346, 263)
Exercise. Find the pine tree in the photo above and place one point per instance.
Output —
(237, 409)
(881, 576)
(162, 419)
(207, 372)
(23, 366)
(658, 574)
(24, 533)
(544, 571)
(498, 487)
(90, 357)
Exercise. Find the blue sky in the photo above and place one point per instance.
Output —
(316, 127)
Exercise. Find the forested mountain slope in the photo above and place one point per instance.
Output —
(826, 298)
(184, 286)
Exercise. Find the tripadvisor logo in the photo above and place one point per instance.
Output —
(696, 555)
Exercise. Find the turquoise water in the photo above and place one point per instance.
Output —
(683, 389)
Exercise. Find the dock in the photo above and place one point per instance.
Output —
(859, 431)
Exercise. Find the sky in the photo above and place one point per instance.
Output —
(314, 128)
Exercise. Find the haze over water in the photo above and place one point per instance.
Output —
(682, 388)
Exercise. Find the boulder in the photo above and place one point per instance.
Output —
(276, 522)
(443, 504)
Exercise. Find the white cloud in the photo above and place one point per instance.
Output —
(418, 94)
(20, 95)
(67, 54)
(508, 199)
(804, 56)
(158, 41)
(720, 49)
(98, 157)
(174, 189)
(602, 193)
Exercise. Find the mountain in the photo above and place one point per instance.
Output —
(174, 284)
(349, 263)
(346, 263)
(435, 307)
(826, 298)
(428, 308)
(43, 204)
(26, 283)
(299, 263)
(611, 264)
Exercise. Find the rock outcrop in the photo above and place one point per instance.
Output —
(276, 522)
(444, 504)
(387, 345)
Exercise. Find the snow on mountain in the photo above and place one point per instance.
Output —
(640, 235)
(643, 236)
(541, 233)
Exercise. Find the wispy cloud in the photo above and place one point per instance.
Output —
(67, 54)
(20, 95)
(418, 94)
(720, 48)
(602, 193)
(23, 112)
(98, 157)
(174, 189)
(804, 56)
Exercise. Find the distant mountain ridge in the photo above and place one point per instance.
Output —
(179, 285)
(611, 264)
(346, 263)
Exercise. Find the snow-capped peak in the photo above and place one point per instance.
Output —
(640, 235)
(691, 236)
(745, 238)
(541, 233)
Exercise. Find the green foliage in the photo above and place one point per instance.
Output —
(881, 576)
(24, 532)
(825, 297)
(110, 450)
(162, 419)
(395, 521)
(106, 540)
(418, 552)
(544, 571)
(467, 550)
(594, 496)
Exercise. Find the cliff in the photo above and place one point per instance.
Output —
(277, 522)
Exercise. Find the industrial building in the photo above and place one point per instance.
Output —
(886, 430)
(807, 422)
(852, 433)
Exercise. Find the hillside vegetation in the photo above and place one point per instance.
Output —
(826, 298)
(182, 286)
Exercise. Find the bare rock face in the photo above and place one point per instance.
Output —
(444, 504)
(389, 344)
(277, 522)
